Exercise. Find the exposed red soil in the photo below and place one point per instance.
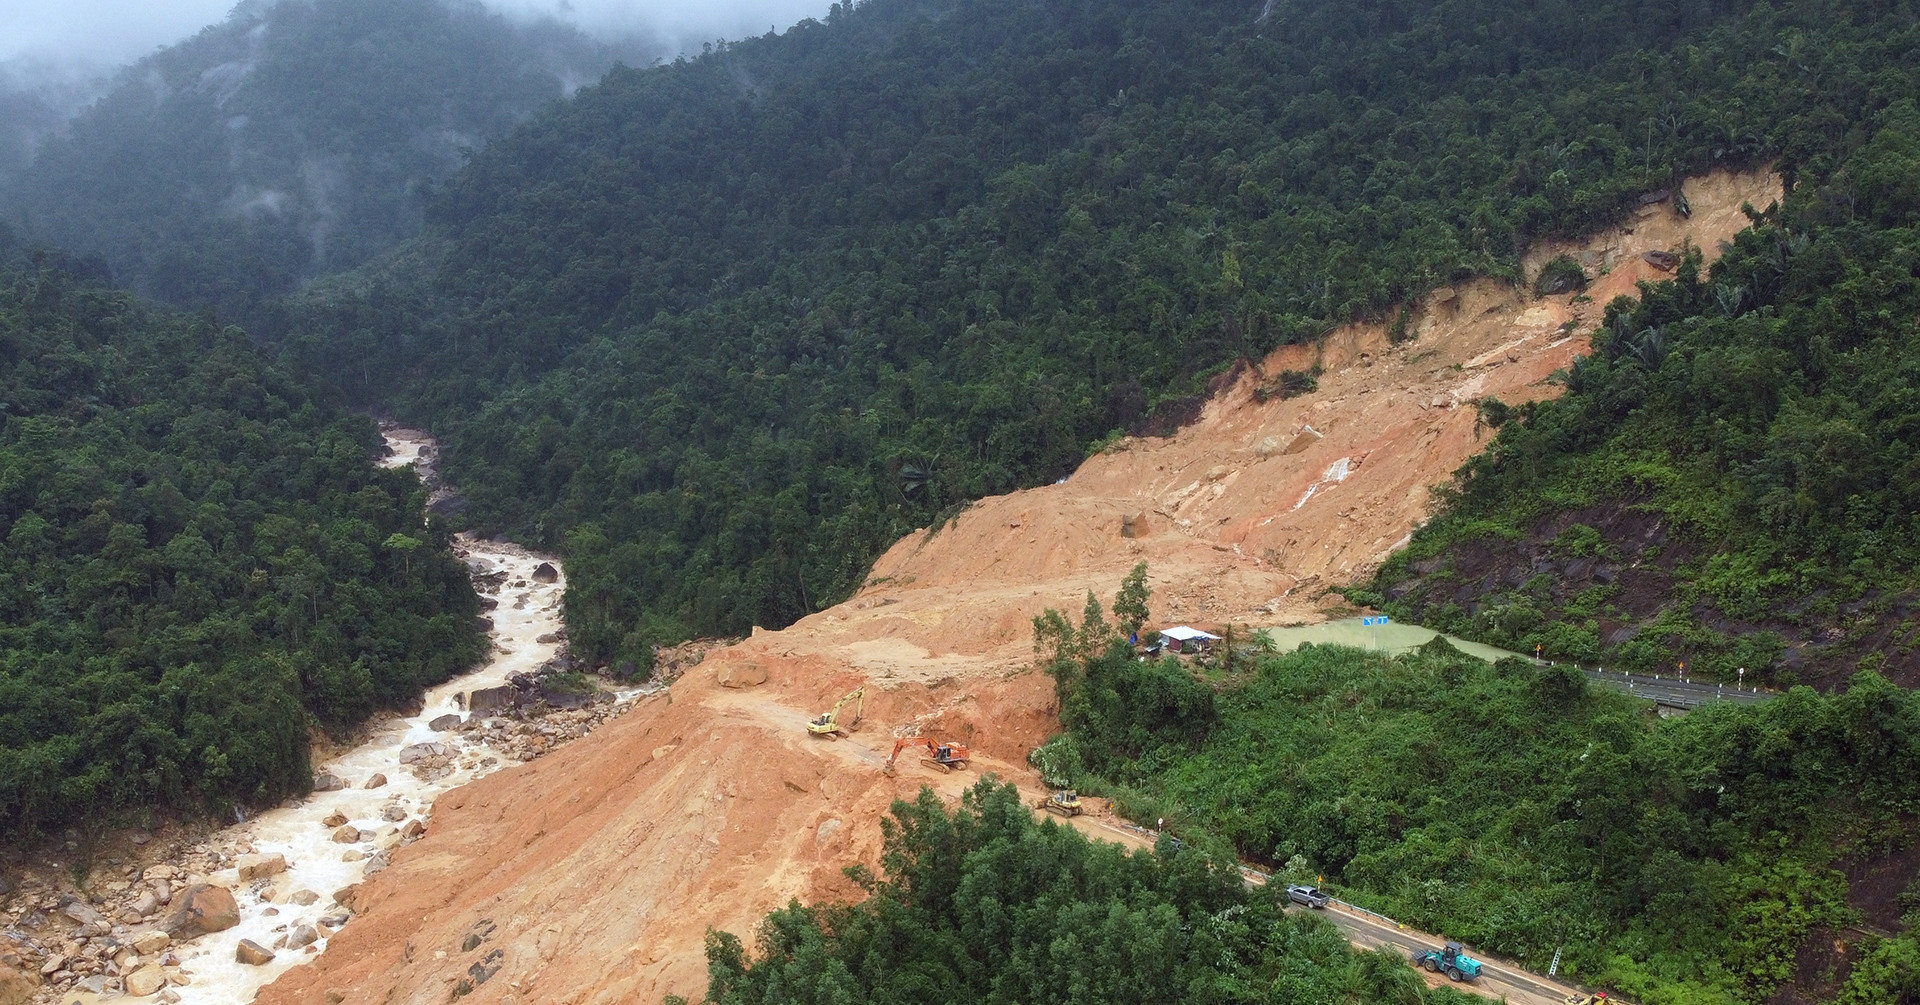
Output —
(604, 864)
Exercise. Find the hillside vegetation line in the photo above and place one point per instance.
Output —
(725, 328)
(200, 562)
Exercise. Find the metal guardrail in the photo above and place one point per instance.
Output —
(1675, 692)
(1511, 972)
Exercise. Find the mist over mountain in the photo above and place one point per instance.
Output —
(36, 99)
(289, 140)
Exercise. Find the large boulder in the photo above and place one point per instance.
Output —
(742, 675)
(347, 834)
(252, 953)
(376, 781)
(489, 700)
(441, 724)
(422, 751)
(564, 699)
(150, 943)
(16, 987)
(199, 909)
(545, 573)
(80, 911)
(145, 904)
(146, 980)
(301, 936)
(327, 781)
(252, 867)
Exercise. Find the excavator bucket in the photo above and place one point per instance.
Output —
(839, 719)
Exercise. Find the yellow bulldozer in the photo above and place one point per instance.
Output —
(836, 721)
(1065, 802)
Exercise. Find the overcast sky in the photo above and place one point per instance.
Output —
(112, 32)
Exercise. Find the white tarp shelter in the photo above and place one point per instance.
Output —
(1181, 633)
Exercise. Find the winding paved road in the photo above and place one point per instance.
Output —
(1672, 691)
(1497, 979)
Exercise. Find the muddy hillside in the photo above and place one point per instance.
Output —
(593, 874)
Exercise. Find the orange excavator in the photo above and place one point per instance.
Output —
(945, 756)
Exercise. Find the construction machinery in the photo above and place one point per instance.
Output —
(832, 724)
(1452, 961)
(945, 756)
(1591, 998)
(1065, 802)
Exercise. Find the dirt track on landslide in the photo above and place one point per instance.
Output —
(604, 864)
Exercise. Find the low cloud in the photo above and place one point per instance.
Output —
(99, 32)
(107, 33)
(678, 22)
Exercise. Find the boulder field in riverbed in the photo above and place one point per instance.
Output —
(592, 875)
(130, 933)
(206, 915)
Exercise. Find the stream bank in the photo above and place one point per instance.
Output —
(273, 889)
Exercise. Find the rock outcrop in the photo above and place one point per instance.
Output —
(252, 867)
(200, 909)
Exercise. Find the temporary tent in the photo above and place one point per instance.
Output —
(1182, 639)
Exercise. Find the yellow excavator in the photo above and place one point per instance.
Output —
(831, 724)
(1065, 802)
(1590, 998)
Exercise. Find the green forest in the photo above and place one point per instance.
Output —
(721, 329)
(200, 560)
(1680, 861)
(1732, 472)
(980, 905)
(293, 139)
(724, 328)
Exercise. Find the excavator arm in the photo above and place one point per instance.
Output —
(829, 724)
(946, 756)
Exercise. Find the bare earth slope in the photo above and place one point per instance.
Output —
(593, 874)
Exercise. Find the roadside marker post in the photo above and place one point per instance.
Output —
(1375, 623)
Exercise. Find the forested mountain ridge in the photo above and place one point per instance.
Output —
(725, 328)
(1730, 480)
(198, 561)
(292, 139)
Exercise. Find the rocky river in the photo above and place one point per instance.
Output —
(211, 920)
